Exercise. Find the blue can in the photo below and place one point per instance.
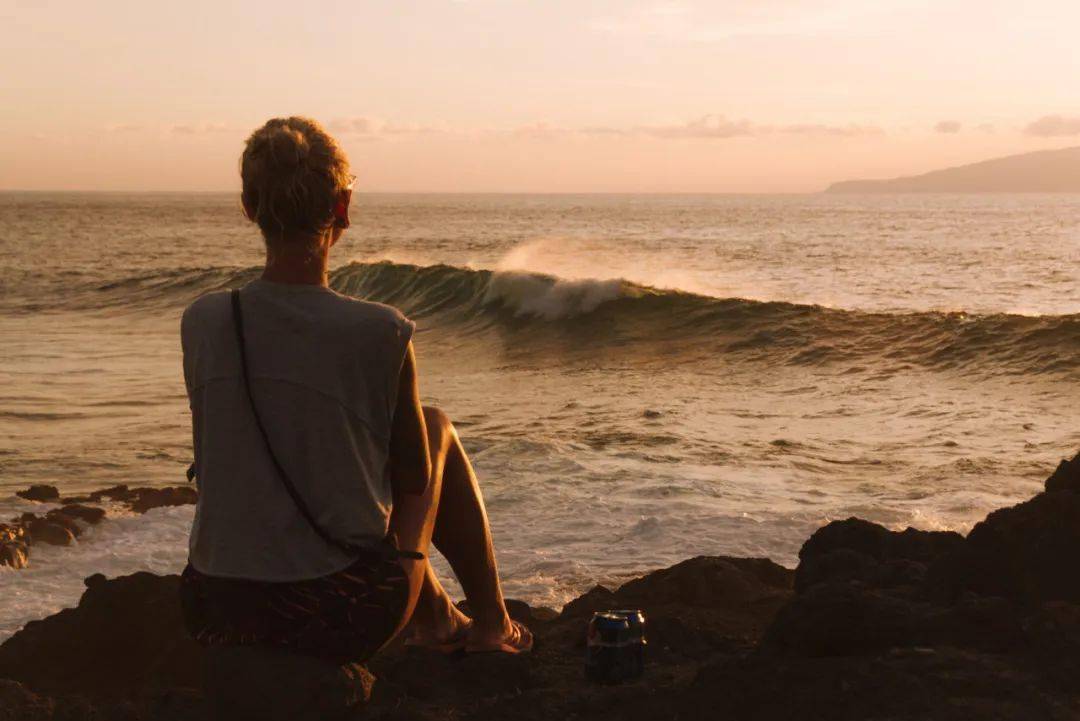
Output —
(615, 646)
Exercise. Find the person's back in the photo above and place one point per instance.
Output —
(325, 370)
(322, 480)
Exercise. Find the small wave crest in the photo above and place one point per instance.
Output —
(550, 298)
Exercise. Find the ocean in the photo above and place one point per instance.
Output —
(639, 379)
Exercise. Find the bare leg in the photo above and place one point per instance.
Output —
(452, 514)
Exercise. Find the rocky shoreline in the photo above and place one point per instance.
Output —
(873, 624)
(62, 525)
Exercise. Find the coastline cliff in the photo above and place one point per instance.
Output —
(1043, 171)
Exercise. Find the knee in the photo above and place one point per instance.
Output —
(437, 422)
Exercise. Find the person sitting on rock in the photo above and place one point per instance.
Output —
(322, 479)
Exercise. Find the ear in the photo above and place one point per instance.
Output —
(341, 210)
(249, 210)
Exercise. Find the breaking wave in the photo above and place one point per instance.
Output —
(618, 319)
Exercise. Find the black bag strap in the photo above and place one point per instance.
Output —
(386, 549)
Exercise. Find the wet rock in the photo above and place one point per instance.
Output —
(58, 519)
(40, 493)
(141, 500)
(144, 499)
(118, 492)
(89, 514)
(41, 530)
(259, 684)
(14, 549)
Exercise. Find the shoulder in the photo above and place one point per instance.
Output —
(203, 310)
(369, 314)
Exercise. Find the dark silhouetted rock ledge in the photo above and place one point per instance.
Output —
(874, 624)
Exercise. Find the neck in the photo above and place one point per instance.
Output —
(297, 263)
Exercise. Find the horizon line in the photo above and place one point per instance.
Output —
(429, 192)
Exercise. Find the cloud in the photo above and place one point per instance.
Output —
(409, 129)
(1050, 126)
(603, 130)
(356, 126)
(846, 131)
(368, 128)
(948, 127)
(720, 127)
(707, 126)
(539, 131)
(199, 128)
(123, 127)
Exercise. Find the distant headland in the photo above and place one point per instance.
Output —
(1043, 171)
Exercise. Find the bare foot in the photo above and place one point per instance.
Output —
(512, 638)
(447, 635)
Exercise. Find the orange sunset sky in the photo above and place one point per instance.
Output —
(546, 96)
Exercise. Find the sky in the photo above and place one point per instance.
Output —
(534, 96)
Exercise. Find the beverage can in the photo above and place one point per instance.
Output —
(615, 646)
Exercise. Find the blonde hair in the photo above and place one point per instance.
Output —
(293, 174)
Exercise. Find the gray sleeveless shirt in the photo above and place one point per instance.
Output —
(324, 372)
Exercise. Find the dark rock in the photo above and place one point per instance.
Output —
(860, 550)
(118, 492)
(59, 519)
(145, 499)
(712, 582)
(18, 703)
(40, 493)
(261, 684)
(89, 514)
(854, 534)
(1066, 477)
(598, 598)
(702, 605)
(836, 566)
(984, 623)
(889, 626)
(41, 530)
(460, 682)
(1027, 553)
(844, 619)
(14, 550)
(140, 500)
(906, 685)
(125, 636)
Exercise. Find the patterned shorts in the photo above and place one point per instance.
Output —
(346, 616)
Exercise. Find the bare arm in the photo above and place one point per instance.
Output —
(410, 457)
